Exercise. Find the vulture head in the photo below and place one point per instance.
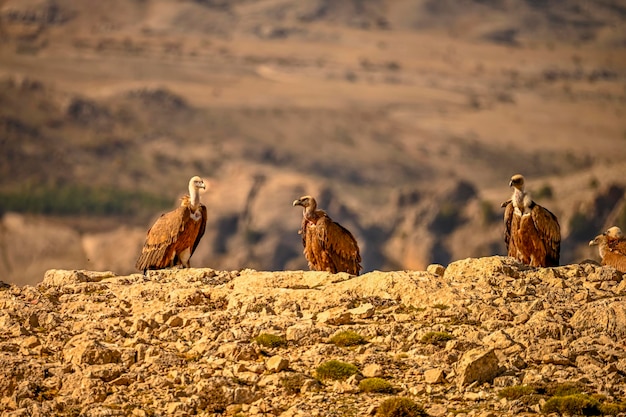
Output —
(598, 240)
(196, 183)
(517, 181)
(306, 201)
(614, 233)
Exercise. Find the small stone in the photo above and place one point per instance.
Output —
(336, 316)
(477, 365)
(174, 321)
(276, 364)
(434, 376)
(436, 269)
(372, 370)
(175, 407)
(30, 342)
(364, 311)
(437, 410)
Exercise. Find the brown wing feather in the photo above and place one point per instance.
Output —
(187, 236)
(201, 229)
(617, 245)
(158, 250)
(313, 252)
(548, 233)
(615, 259)
(339, 251)
(508, 219)
(615, 254)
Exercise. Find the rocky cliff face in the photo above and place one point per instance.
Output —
(250, 343)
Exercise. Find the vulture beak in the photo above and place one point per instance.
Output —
(594, 241)
(510, 183)
(297, 203)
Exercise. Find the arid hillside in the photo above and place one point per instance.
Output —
(405, 119)
(484, 337)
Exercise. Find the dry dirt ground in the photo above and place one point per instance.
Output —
(382, 108)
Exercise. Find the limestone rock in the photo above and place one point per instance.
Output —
(276, 364)
(434, 376)
(372, 370)
(436, 269)
(59, 277)
(335, 316)
(477, 365)
(182, 340)
(605, 315)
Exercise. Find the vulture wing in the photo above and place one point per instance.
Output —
(549, 232)
(508, 219)
(615, 256)
(158, 250)
(188, 236)
(201, 229)
(615, 259)
(338, 248)
(617, 245)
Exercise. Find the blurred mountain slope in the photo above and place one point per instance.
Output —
(406, 119)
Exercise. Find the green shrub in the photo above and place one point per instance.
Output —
(400, 407)
(515, 392)
(376, 385)
(612, 409)
(71, 199)
(561, 389)
(544, 192)
(487, 213)
(581, 226)
(336, 370)
(575, 404)
(270, 341)
(436, 338)
(447, 219)
(293, 383)
(347, 338)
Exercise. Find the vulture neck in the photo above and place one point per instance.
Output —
(603, 247)
(194, 198)
(311, 213)
(521, 200)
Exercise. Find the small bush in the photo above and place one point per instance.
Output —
(336, 370)
(293, 383)
(448, 218)
(544, 192)
(561, 389)
(515, 392)
(440, 306)
(487, 213)
(73, 199)
(270, 341)
(347, 338)
(612, 409)
(576, 404)
(376, 385)
(581, 227)
(218, 402)
(400, 407)
(436, 338)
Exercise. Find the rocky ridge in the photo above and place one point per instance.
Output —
(182, 342)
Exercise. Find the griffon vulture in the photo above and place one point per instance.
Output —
(532, 233)
(174, 236)
(612, 248)
(328, 246)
